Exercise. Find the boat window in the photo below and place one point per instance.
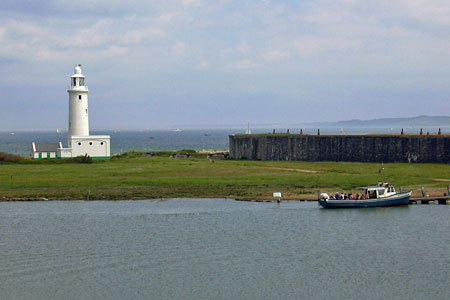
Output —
(380, 192)
(373, 194)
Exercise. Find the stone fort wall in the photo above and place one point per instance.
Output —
(358, 148)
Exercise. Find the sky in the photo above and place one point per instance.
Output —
(190, 63)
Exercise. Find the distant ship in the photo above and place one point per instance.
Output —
(57, 130)
(177, 130)
(207, 134)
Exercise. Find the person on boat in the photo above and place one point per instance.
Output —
(337, 196)
(357, 196)
(350, 196)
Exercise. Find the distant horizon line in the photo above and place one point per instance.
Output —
(244, 125)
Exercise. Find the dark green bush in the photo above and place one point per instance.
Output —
(12, 158)
(86, 159)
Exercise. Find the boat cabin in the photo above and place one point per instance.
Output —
(381, 190)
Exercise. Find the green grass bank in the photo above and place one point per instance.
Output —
(136, 176)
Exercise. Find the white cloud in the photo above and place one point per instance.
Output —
(274, 55)
(190, 2)
(316, 46)
(436, 12)
(202, 66)
(115, 51)
(242, 65)
(179, 48)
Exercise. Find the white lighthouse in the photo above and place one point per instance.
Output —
(78, 105)
(80, 143)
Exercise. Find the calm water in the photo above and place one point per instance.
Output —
(222, 249)
(154, 140)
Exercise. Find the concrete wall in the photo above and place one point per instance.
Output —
(363, 148)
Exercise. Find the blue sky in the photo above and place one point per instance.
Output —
(184, 63)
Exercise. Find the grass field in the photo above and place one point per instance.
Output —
(139, 177)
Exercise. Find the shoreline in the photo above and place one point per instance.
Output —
(244, 199)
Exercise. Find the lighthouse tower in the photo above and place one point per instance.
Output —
(79, 141)
(78, 105)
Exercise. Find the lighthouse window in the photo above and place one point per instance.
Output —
(74, 81)
(79, 97)
(101, 143)
(81, 81)
(79, 144)
(90, 143)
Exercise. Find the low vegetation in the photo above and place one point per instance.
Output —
(138, 175)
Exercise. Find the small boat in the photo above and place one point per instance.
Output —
(382, 194)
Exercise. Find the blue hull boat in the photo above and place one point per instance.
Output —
(373, 196)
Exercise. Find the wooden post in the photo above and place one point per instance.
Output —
(423, 192)
(448, 190)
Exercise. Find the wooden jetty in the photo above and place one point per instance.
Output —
(430, 200)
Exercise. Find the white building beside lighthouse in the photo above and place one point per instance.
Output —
(80, 143)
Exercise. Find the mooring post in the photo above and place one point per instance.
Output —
(288, 131)
(423, 192)
(439, 131)
(402, 133)
(273, 131)
(318, 131)
(421, 131)
(301, 131)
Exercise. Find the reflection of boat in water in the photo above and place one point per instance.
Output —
(382, 194)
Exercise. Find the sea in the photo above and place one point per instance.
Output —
(221, 249)
(19, 142)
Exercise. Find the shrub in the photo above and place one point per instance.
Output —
(6, 157)
(86, 159)
(188, 151)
